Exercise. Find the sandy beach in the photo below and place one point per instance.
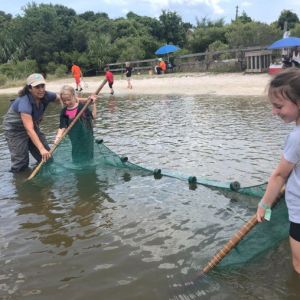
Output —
(177, 83)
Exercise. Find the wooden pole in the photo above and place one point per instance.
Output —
(35, 171)
(234, 240)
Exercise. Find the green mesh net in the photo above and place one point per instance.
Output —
(261, 238)
(74, 153)
(70, 154)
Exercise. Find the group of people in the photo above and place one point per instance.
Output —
(77, 74)
(23, 135)
(292, 58)
(21, 123)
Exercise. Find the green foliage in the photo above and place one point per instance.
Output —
(19, 69)
(219, 46)
(244, 18)
(50, 37)
(173, 28)
(202, 37)
(251, 34)
(60, 70)
(3, 80)
(296, 30)
(289, 17)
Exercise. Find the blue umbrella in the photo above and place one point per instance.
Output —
(286, 43)
(166, 49)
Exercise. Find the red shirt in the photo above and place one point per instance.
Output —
(109, 76)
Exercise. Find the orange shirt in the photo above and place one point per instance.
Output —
(76, 71)
(163, 66)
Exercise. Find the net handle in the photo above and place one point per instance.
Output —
(36, 170)
(234, 240)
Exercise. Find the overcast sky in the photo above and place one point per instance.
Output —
(259, 10)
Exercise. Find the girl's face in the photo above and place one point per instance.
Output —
(287, 110)
(68, 99)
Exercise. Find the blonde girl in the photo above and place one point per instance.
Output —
(81, 134)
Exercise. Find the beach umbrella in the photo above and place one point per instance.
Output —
(286, 43)
(166, 49)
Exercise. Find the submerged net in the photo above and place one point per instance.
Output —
(264, 236)
(91, 153)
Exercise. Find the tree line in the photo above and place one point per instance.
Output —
(48, 38)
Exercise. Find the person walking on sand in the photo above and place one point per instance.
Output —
(21, 123)
(284, 95)
(128, 71)
(77, 74)
(110, 79)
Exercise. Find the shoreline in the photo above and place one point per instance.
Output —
(226, 84)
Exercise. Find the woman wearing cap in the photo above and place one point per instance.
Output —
(21, 123)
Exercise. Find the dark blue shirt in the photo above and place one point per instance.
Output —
(26, 104)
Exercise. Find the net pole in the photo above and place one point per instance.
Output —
(53, 148)
(234, 240)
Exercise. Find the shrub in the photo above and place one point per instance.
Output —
(61, 70)
(3, 80)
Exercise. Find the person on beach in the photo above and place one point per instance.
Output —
(162, 66)
(21, 123)
(128, 71)
(81, 134)
(77, 74)
(284, 95)
(110, 79)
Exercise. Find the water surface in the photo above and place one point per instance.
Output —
(109, 234)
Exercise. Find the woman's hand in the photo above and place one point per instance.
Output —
(45, 154)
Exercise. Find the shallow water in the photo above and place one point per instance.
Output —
(109, 234)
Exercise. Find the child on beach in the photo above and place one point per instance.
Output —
(81, 134)
(284, 95)
(77, 74)
(128, 71)
(110, 79)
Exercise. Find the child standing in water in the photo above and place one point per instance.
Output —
(110, 79)
(81, 134)
(284, 95)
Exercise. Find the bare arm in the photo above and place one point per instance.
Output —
(275, 184)
(59, 134)
(28, 124)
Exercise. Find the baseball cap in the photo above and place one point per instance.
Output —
(35, 79)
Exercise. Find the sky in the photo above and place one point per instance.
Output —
(266, 11)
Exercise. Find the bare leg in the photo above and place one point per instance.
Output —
(295, 247)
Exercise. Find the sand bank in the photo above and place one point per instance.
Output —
(180, 84)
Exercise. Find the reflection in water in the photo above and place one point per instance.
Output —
(123, 235)
(46, 200)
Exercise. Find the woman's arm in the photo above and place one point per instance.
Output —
(275, 184)
(28, 124)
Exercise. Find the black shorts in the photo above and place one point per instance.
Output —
(295, 231)
(110, 84)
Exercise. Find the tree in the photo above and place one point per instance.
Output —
(244, 18)
(173, 29)
(289, 17)
(251, 34)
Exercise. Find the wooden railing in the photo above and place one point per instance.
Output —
(203, 60)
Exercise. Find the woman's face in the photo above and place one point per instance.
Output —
(38, 92)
